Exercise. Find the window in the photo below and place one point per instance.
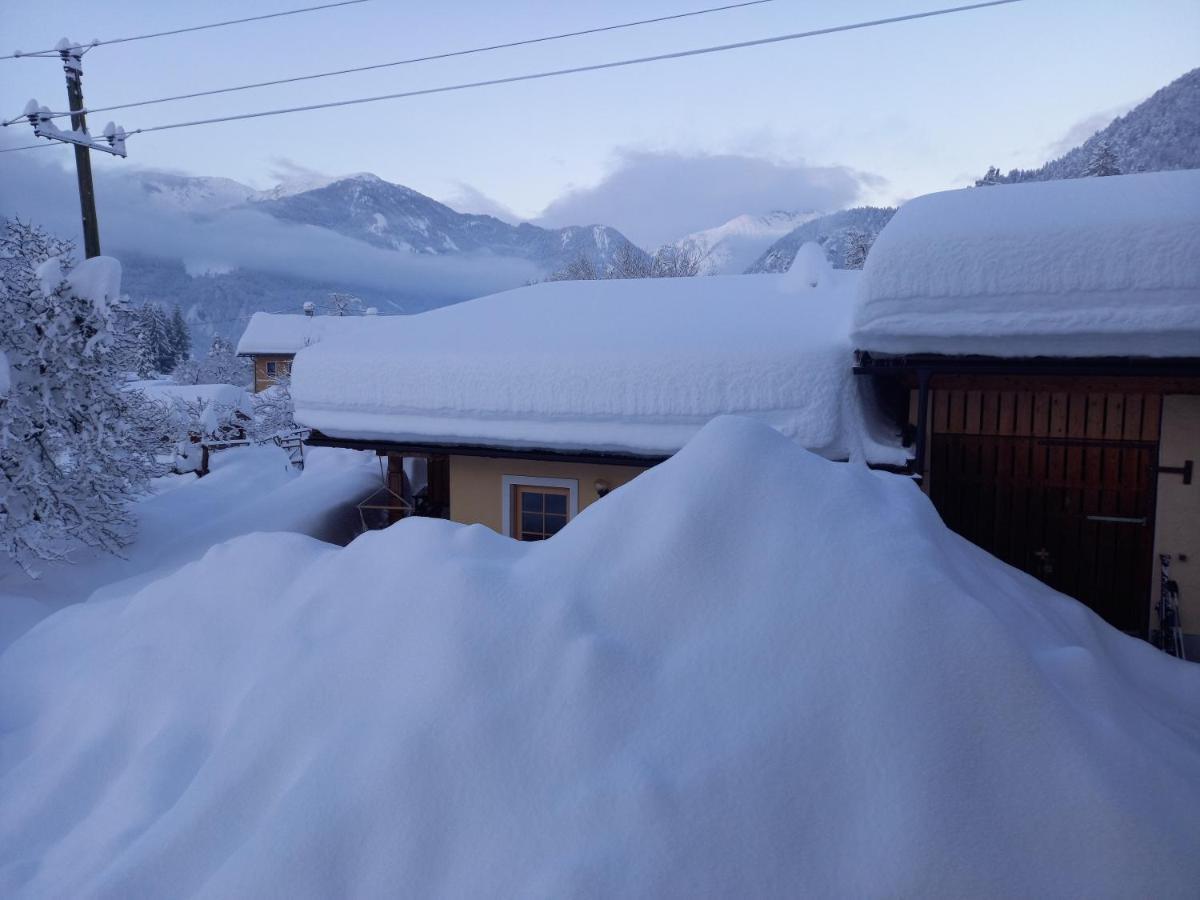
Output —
(540, 512)
(537, 508)
(271, 370)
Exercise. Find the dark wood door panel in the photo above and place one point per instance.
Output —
(1057, 483)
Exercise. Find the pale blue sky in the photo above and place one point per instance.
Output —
(921, 105)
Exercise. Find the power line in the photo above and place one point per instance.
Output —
(574, 70)
(142, 37)
(34, 146)
(420, 59)
(681, 54)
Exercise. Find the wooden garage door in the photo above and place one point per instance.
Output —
(1059, 483)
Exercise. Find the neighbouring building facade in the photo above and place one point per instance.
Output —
(271, 340)
(1045, 343)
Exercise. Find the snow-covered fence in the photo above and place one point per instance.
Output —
(292, 442)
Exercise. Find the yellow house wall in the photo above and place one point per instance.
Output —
(477, 484)
(1177, 518)
(262, 380)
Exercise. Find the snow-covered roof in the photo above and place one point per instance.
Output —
(1081, 268)
(285, 333)
(633, 366)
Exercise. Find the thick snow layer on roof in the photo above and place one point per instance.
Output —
(796, 682)
(285, 333)
(634, 366)
(1087, 267)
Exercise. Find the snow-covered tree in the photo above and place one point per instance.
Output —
(630, 262)
(672, 261)
(70, 459)
(274, 412)
(341, 304)
(857, 246)
(578, 269)
(181, 337)
(221, 365)
(992, 176)
(154, 351)
(1103, 161)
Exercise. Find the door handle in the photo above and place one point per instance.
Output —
(1118, 520)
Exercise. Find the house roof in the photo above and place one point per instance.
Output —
(619, 366)
(1091, 267)
(285, 333)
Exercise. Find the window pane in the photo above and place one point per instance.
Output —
(554, 523)
(532, 522)
(270, 368)
(530, 536)
(531, 501)
(556, 504)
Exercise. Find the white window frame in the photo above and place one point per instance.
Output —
(509, 481)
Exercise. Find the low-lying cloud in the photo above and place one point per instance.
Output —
(654, 198)
(40, 190)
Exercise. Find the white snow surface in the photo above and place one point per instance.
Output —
(5, 375)
(635, 366)
(821, 691)
(1079, 268)
(289, 333)
(249, 490)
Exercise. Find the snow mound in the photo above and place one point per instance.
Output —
(809, 270)
(818, 692)
(1086, 267)
(623, 365)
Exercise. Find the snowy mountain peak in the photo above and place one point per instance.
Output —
(732, 246)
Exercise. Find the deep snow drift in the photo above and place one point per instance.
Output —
(249, 490)
(1085, 267)
(818, 691)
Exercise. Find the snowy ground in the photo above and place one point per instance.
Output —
(249, 490)
(792, 683)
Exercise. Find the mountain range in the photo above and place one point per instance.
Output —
(1159, 134)
(1163, 132)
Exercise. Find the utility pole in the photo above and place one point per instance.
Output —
(72, 58)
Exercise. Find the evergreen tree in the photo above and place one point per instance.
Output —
(155, 353)
(1103, 161)
(992, 176)
(857, 246)
(181, 338)
(69, 457)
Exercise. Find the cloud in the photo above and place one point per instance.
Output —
(654, 198)
(40, 190)
(469, 199)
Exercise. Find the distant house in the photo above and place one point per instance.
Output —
(519, 409)
(1043, 344)
(271, 340)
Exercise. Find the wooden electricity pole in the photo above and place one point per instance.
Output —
(72, 58)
